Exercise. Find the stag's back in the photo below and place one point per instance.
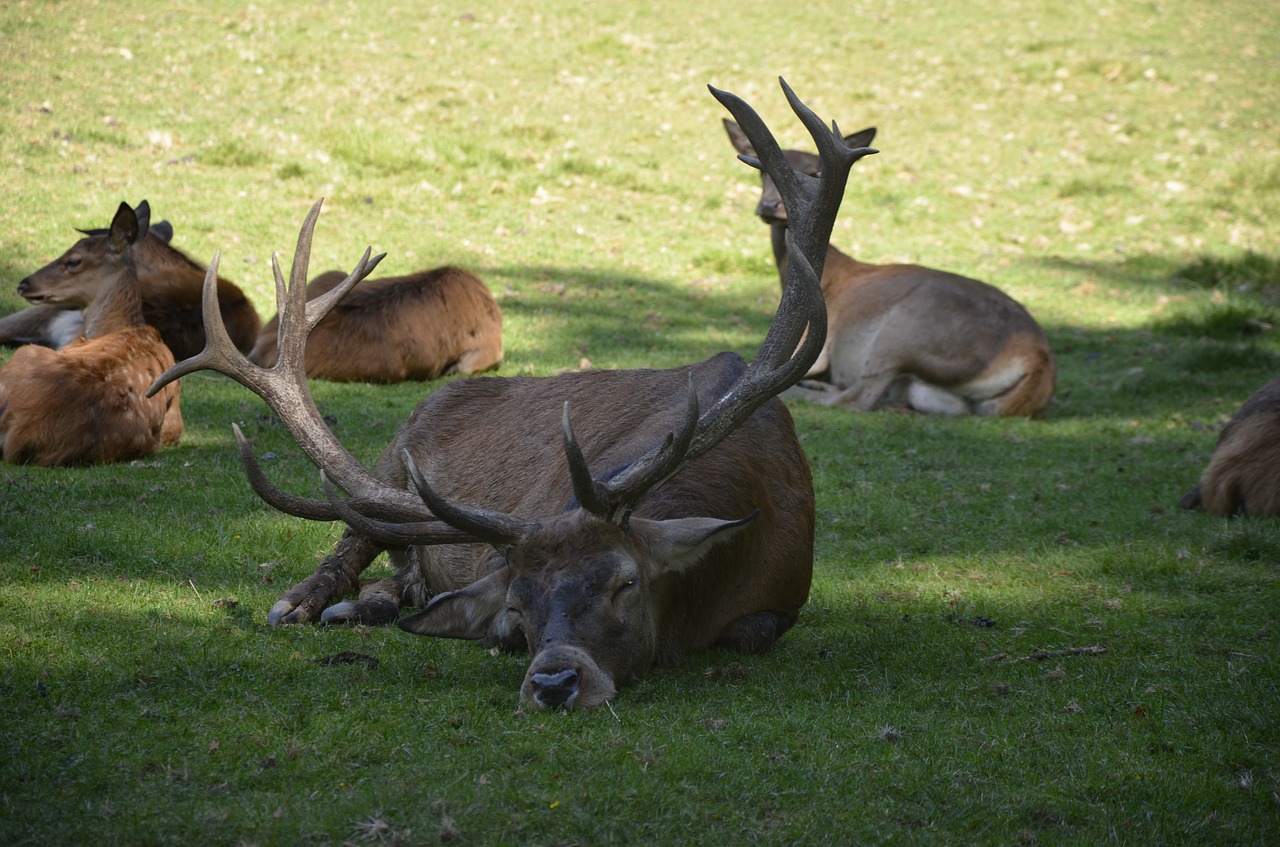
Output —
(171, 282)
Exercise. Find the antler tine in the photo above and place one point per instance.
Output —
(497, 528)
(284, 386)
(625, 491)
(397, 534)
(215, 355)
(591, 496)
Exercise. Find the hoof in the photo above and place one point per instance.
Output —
(345, 612)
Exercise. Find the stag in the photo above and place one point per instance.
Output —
(169, 283)
(421, 326)
(911, 336)
(682, 519)
(85, 404)
(1243, 476)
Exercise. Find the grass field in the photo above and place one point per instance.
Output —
(1014, 635)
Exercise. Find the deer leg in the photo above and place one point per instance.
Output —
(379, 603)
(336, 576)
(754, 633)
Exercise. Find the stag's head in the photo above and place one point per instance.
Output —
(581, 594)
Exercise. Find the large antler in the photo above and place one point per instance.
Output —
(284, 387)
(794, 340)
(783, 359)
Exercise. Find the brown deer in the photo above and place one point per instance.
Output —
(911, 336)
(418, 327)
(88, 403)
(169, 283)
(1243, 477)
(684, 518)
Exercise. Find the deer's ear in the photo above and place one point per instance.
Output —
(861, 138)
(124, 229)
(162, 230)
(466, 613)
(682, 543)
(739, 139)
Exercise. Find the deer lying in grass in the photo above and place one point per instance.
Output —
(169, 284)
(87, 403)
(695, 528)
(1243, 477)
(417, 327)
(906, 335)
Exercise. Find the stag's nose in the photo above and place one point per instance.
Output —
(553, 690)
(24, 286)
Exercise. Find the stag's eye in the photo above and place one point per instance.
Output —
(624, 588)
(73, 263)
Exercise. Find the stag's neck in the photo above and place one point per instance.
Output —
(118, 306)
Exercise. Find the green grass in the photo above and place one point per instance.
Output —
(1114, 167)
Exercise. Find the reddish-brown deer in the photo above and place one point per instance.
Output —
(911, 336)
(169, 284)
(1243, 476)
(682, 520)
(88, 403)
(414, 327)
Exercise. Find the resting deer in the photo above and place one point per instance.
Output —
(88, 403)
(169, 284)
(906, 335)
(1243, 477)
(417, 327)
(683, 519)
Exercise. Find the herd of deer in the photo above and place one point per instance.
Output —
(682, 518)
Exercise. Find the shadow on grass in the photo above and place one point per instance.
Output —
(1250, 273)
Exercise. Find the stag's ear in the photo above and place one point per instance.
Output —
(861, 138)
(681, 543)
(739, 139)
(466, 613)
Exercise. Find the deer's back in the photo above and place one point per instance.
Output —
(86, 403)
(414, 327)
(170, 284)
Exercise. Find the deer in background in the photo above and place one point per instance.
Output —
(1243, 477)
(414, 327)
(169, 284)
(682, 519)
(911, 336)
(87, 403)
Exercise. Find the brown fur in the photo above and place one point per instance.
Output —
(915, 337)
(414, 327)
(86, 403)
(169, 284)
(744, 593)
(1243, 477)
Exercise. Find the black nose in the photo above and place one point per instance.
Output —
(553, 690)
(772, 211)
(23, 286)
